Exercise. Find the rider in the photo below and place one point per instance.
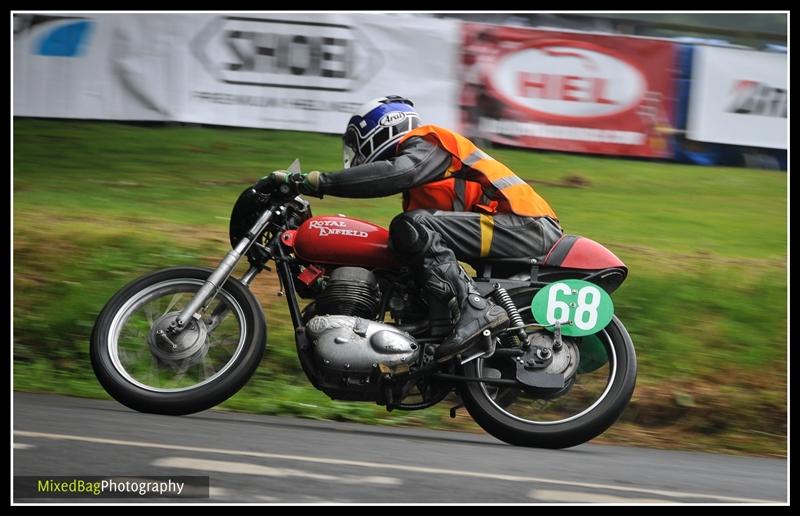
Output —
(458, 204)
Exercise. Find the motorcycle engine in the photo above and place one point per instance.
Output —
(351, 353)
(350, 291)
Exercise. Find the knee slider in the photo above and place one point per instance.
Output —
(406, 236)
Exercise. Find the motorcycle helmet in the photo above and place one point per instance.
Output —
(373, 131)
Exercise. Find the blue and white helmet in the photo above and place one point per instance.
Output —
(372, 133)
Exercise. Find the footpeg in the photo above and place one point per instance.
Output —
(487, 347)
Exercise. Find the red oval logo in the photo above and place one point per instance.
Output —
(564, 79)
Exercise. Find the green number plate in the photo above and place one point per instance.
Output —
(581, 307)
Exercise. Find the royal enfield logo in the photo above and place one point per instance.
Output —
(323, 232)
(286, 53)
(562, 79)
(335, 227)
(758, 98)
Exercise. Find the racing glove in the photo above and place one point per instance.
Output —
(299, 183)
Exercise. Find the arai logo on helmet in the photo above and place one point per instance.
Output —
(568, 79)
(393, 118)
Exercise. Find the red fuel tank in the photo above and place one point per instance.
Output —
(341, 241)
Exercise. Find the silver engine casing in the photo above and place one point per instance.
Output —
(351, 352)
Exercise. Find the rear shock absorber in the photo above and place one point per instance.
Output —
(504, 299)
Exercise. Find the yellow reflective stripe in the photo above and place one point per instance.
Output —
(487, 230)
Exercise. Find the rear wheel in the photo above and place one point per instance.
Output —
(590, 402)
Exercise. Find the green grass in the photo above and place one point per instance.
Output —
(97, 204)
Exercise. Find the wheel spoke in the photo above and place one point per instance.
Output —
(184, 366)
(155, 372)
(208, 370)
(125, 357)
(131, 331)
(218, 315)
(223, 341)
(151, 312)
(172, 303)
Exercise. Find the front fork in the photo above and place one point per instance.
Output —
(209, 290)
(222, 310)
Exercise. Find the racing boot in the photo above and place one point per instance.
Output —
(474, 312)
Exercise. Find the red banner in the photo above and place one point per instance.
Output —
(567, 91)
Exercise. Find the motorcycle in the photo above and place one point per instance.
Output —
(182, 340)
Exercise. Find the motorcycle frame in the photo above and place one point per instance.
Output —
(275, 251)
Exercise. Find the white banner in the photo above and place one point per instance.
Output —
(74, 66)
(738, 97)
(286, 71)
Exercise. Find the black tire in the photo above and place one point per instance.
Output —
(559, 434)
(195, 399)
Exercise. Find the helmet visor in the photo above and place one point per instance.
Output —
(348, 156)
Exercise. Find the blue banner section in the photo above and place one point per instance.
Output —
(68, 40)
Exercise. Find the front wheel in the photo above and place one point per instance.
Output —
(144, 367)
(592, 401)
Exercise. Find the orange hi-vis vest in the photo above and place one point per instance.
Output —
(474, 182)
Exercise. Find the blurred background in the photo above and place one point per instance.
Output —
(662, 136)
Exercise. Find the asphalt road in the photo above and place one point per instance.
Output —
(265, 459)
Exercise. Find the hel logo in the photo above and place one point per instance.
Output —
(568, 79)
(570, 88)
(758, 98)
(393, 118)
(285, 53)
